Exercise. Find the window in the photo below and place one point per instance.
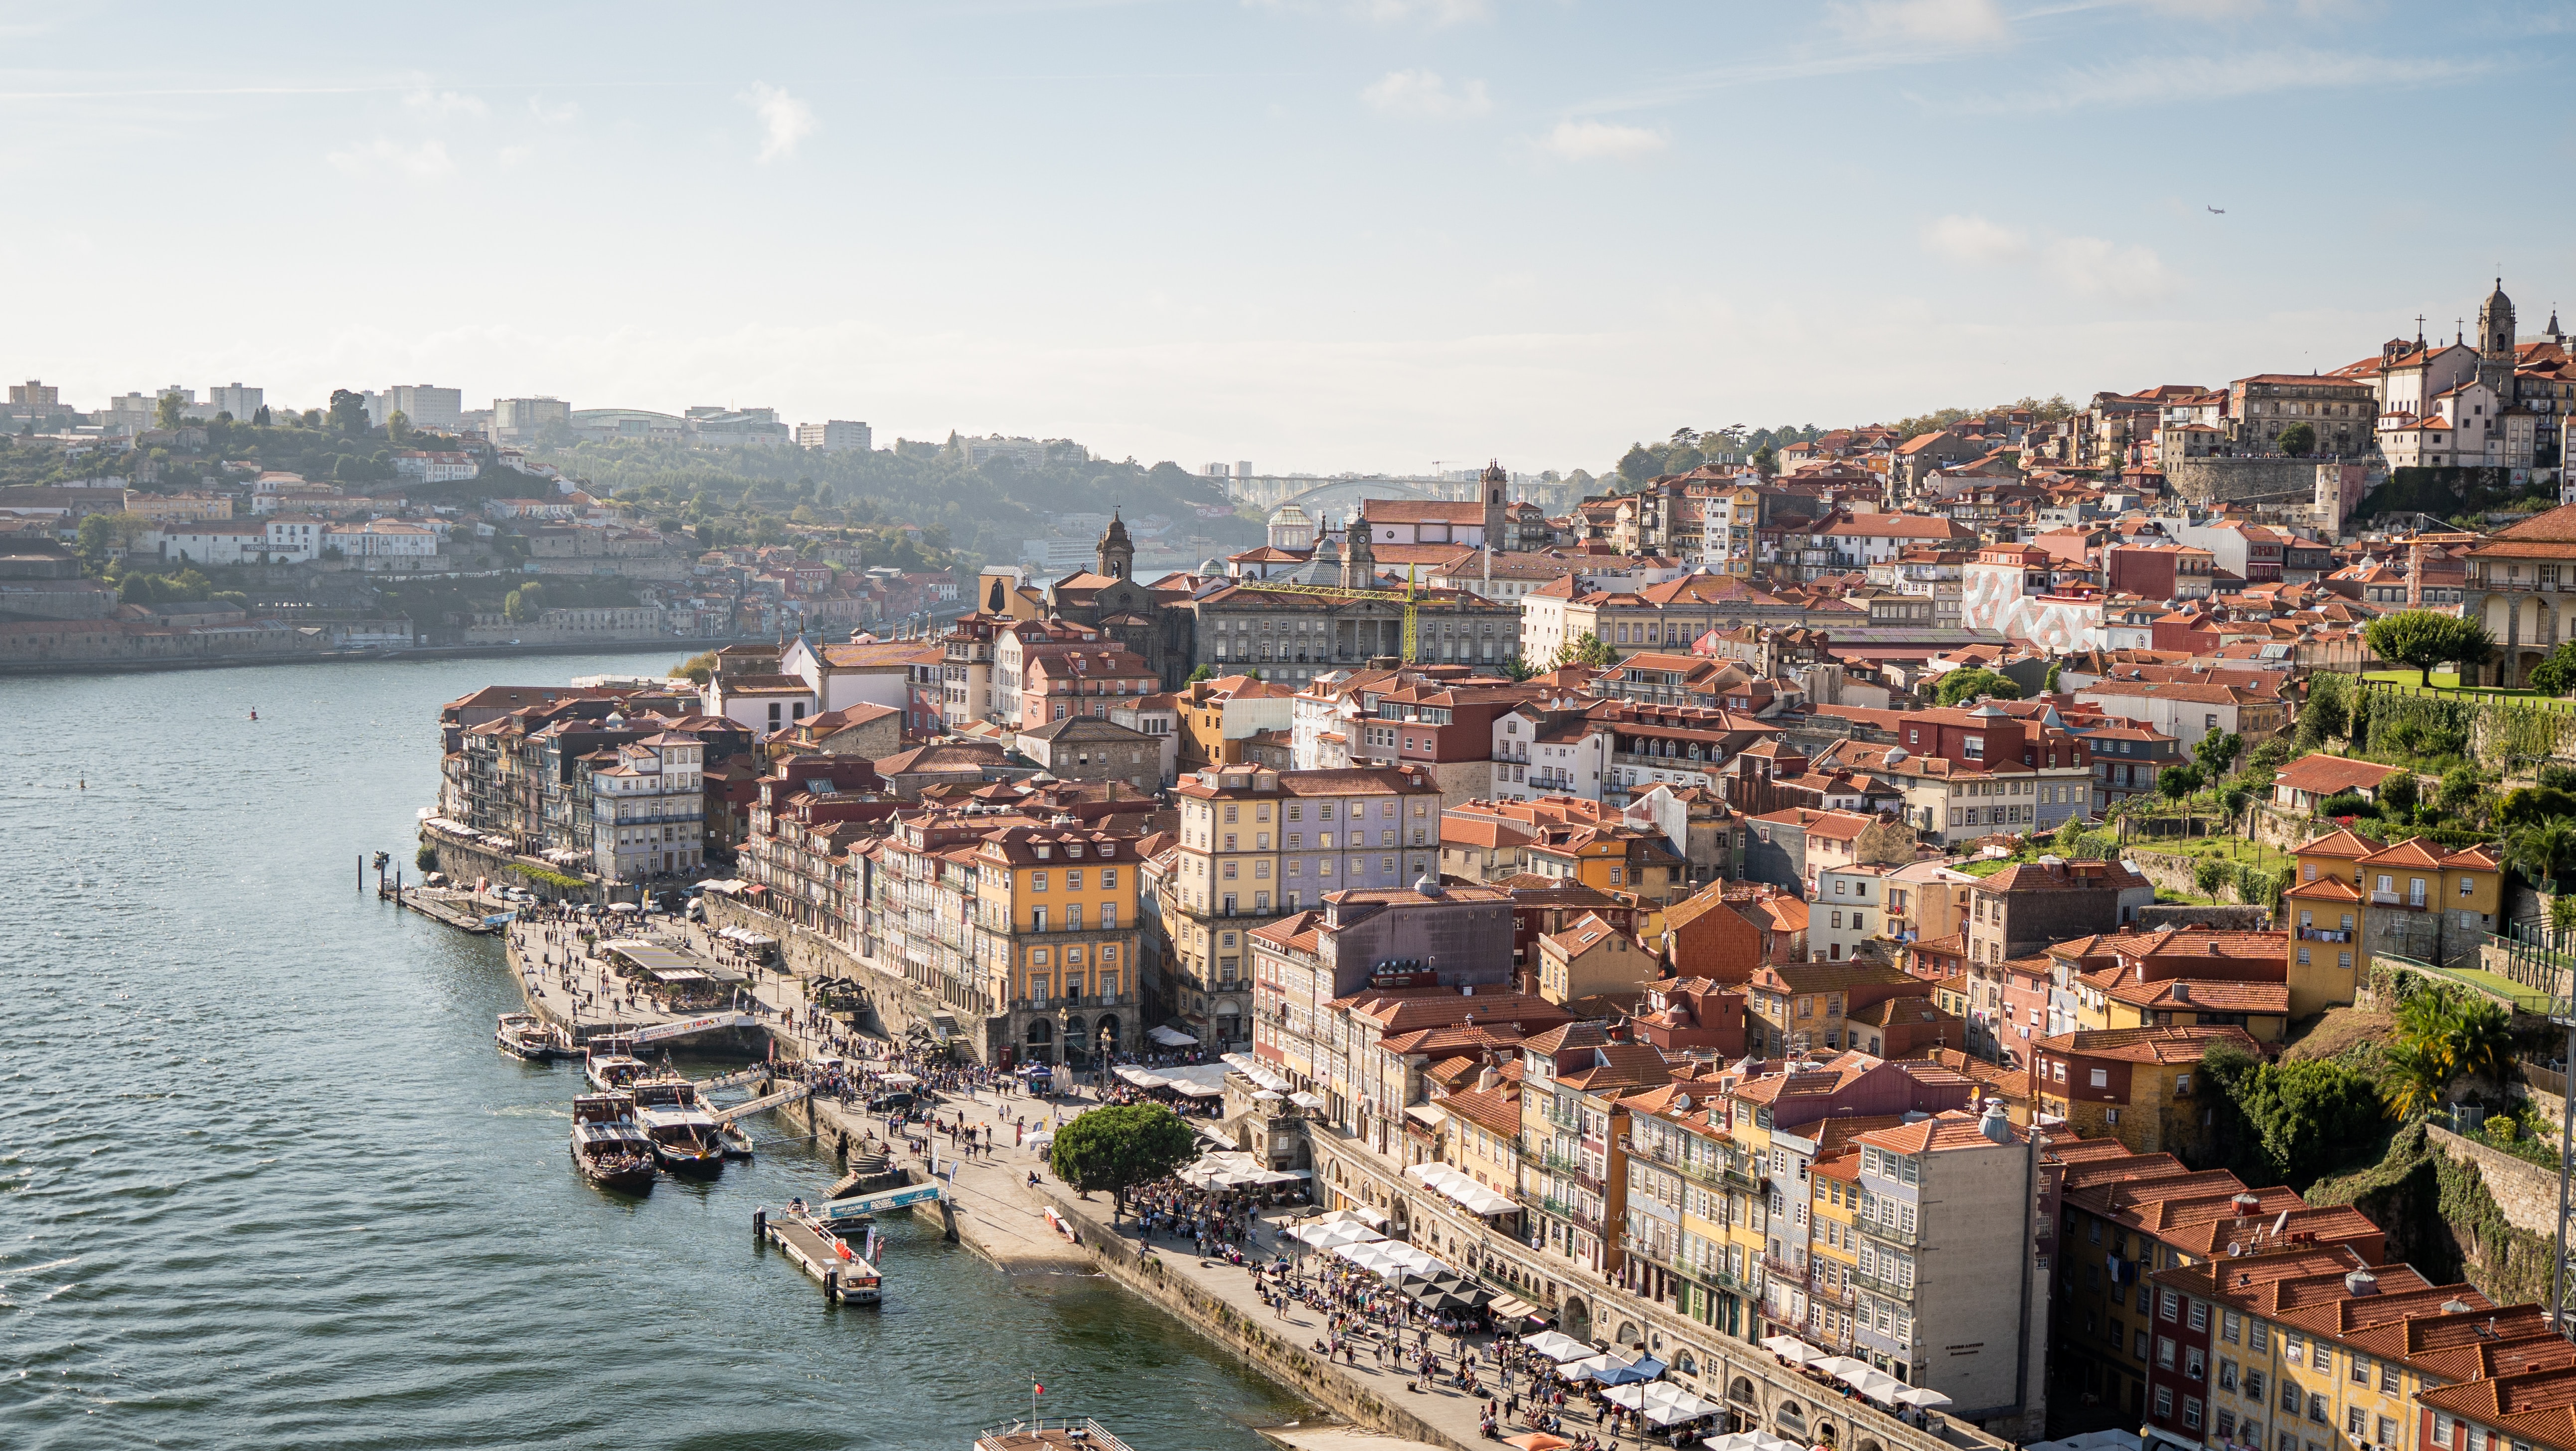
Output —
(2170, 1306)
(2227, 1375)
(2229, 1323)
(2164, 1402)
(2165, 1351)
(2101, 1078)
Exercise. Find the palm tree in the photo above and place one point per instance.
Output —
(2541, 849)
(2482, 1039)
(2415, 1084)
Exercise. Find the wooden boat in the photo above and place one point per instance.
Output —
(607, 1147)
(525, 1035)
(613, 1072)
(686, 1138)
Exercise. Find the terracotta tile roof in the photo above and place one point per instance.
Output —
(2163, 1046)
(2342, 842)
(2325, 775)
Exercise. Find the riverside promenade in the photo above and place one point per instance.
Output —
(995, 1209)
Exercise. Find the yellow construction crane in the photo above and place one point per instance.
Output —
(1411, 622)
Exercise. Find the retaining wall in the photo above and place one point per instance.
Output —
(2524, 1191)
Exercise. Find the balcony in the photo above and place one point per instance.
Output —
(1910, 1238)
(2321, 934)
(638, 818)
(1881, 1285)
(2395, 899)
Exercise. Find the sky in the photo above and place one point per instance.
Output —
(1316, 235)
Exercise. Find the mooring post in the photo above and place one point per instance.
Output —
(760, 1224)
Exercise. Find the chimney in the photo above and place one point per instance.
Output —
(1996, 1124)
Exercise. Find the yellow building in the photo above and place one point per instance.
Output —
(2416, 898)
(2309, 1345)
(1055, 923)
(1833, 1252)
(1691, 1192)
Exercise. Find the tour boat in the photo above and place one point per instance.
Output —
(525, 1035)
(613, 1072)
(686, 1138)
(607, 1147)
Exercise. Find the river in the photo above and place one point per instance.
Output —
(266, 1181)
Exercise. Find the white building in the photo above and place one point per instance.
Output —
(649, 809)
(424, 406)
(236, 400)
(1536, 757)
(835, 436)
(435, 467)
(278, 539)
(1850, 908)
(383, 539)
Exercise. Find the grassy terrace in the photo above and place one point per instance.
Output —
(2447, 683)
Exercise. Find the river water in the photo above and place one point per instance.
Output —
(265, 1180)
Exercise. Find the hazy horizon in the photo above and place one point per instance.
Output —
(1317, 236)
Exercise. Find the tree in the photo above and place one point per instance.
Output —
(697, 669)
(2268, 758)
(2298, 440)
(2542, 850)
(524, 603)
(1119, 1148)
(1967, 684)
(103, 534)
(2307, 1115)
(2557, 674)
(1765, 462)
(2398, 794)
(348, 411)
(2177, 782)
(1584, 649)
(1204, 672)
(260, 416)
(2049, 685)
(397, 425)
(2217, 751)
(2422, 639)
(167, 412)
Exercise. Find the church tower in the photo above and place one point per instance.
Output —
(1359, 560)
(1496, 485)
(2495, 342)
(1117, 552)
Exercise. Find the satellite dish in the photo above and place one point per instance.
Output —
(2281, 1224)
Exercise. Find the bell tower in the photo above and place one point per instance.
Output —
(1495, 485)
(1117, 552)
(2495, 342)
(1359, 561)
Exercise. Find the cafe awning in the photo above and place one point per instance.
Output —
(1171, 1037)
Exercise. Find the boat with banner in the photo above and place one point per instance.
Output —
(607, 1146)
(1069, 1433)
(686, 1138)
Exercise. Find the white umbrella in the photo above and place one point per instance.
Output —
(1878, 1385)
(1750, 1441)
(1840, 1367)
(1923, 1396)
(1328, 1236)
(1593, 1367)
(1557, 1347)
(1789, 1348)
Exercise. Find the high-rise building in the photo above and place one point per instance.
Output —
(836, 436)
(518, 419)
(234, 399)
(424, 406)
(34, 394)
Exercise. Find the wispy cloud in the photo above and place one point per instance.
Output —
(784, 120)
(1430, 12)
(2157, 81)
(382, 157)
(1941, 22)
(1587, 140)
(1974, 240)
(445, 103)
(1426, 93)
(2083, 266)
(555, 115)
(1433, 13)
